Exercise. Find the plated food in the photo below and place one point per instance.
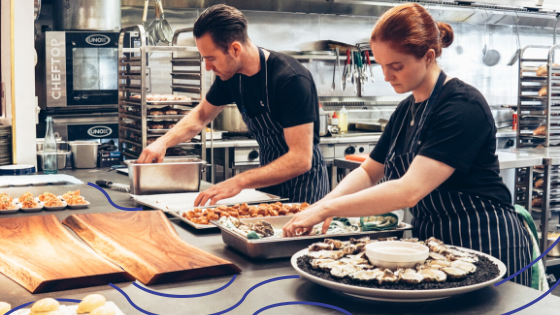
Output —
(347, 263)
(25, 196)
(204, 216)
(7, 203)
(54, 202)
(69, 194)
(94, 304)
(47, 196)
(30, 203)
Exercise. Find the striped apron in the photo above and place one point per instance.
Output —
(308, 187)
(462, 219)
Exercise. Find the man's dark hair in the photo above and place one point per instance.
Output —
(225, 25)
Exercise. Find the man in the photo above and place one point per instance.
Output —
(278, 101)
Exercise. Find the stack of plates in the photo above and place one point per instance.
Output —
(22, 169)
(5, 145)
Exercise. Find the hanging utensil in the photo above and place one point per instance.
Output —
(333, 85)
(492, 56)
(371, 77)
(164, 30)
(459, 48)
(338, 60)
(345, 71)
(149, 38)
(484, 48)
(518, 51)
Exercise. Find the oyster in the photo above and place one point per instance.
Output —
(336, 243)
(469, 259)
(411, 240)
(455, 273)
(365, 240)
(387, 277)
(433, 275)
(365, 266)
(354, 261)
(434, 240)
(466, 266)
(320, 246)
(439, 263)
(263, 228)
(366, 275)
(350, 249)
(331, 265)
(391, 238)
(410, 276)
(436, 256)
(317, 263)
(326, 254)
(344, 270)
(439, 249)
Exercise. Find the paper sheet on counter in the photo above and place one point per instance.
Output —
(185, 201)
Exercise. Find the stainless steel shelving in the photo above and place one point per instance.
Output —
(134, 118)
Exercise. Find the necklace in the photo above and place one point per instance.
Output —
(414, 112)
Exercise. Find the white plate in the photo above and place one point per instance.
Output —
(79, 206)
(10, 211)
(69, 309)
(64, 204)
(32, 209)
(16, 200)
(401, 295)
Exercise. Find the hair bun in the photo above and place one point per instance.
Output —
(445, 34)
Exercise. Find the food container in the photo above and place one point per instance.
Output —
(171, 176)
(62, 156)
(60, 145)
(395, 255)
(555, 251)
(230, 119)
(268, 248)
(84, 153)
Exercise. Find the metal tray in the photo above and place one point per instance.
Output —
(152, 202)
(286, 247)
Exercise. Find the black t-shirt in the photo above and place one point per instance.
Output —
(461, 133)
(292, 93)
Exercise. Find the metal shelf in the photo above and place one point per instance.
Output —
(552, 262)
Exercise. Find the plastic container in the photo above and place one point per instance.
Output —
(343, 119)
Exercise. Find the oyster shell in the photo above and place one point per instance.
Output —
(387, 277)
(466, 266)
(354, 261)
(350, 249)
(410, 276)
(455, 273)
(344, 270)
(366, 275)
(327, 254)
(336, 243)
(439, 263)
(436, 256)
(315, 247)
(263, 228)
(365, 240)
(433, 275)
(317, 263)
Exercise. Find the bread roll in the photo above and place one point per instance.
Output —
(540, 131)
(4, 308)
(185, 112)
(103, 310)
(155, 112)
(539, 183)
(91, 302)
(171, 112)
(45, 305)
(536, 202)
(542, 92)
(58, 312)
(542, 71)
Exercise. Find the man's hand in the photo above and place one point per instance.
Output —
(304, 221)
(155, 151)
(223, 190)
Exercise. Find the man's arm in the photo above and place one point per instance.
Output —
(295, 162)
(186, 129)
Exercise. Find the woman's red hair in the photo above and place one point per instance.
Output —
(410, 29)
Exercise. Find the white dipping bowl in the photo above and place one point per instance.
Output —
(394, 254)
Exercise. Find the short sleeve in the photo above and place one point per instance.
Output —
(456, 134)
(219, 93)
(298, 100)
(379, 152)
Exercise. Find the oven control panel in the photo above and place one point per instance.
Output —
(341, 150)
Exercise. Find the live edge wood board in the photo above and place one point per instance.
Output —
(42, 256)
(145, 244)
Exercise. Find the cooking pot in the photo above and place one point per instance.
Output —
(230, 119)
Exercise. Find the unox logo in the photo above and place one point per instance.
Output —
(99, 131)
(98, 40)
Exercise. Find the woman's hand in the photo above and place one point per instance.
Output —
(305, 220)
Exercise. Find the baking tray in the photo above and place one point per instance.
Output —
(175, 204)
(287, 247)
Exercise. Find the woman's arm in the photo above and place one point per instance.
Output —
(424, 175)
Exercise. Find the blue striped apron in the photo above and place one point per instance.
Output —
(308, 187)
(462, 219)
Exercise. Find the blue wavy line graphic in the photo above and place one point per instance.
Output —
(111, 201)
(529, 265)
(302, 302)
(173, 296)
(27, 304)
(129, 300)
(253, 288)
(534, 301)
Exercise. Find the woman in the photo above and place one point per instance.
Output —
(436, 155)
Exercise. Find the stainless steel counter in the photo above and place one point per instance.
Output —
(324, 140)
(489, 301)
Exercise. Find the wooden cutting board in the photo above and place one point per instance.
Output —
(41, 255)
(146, 245)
